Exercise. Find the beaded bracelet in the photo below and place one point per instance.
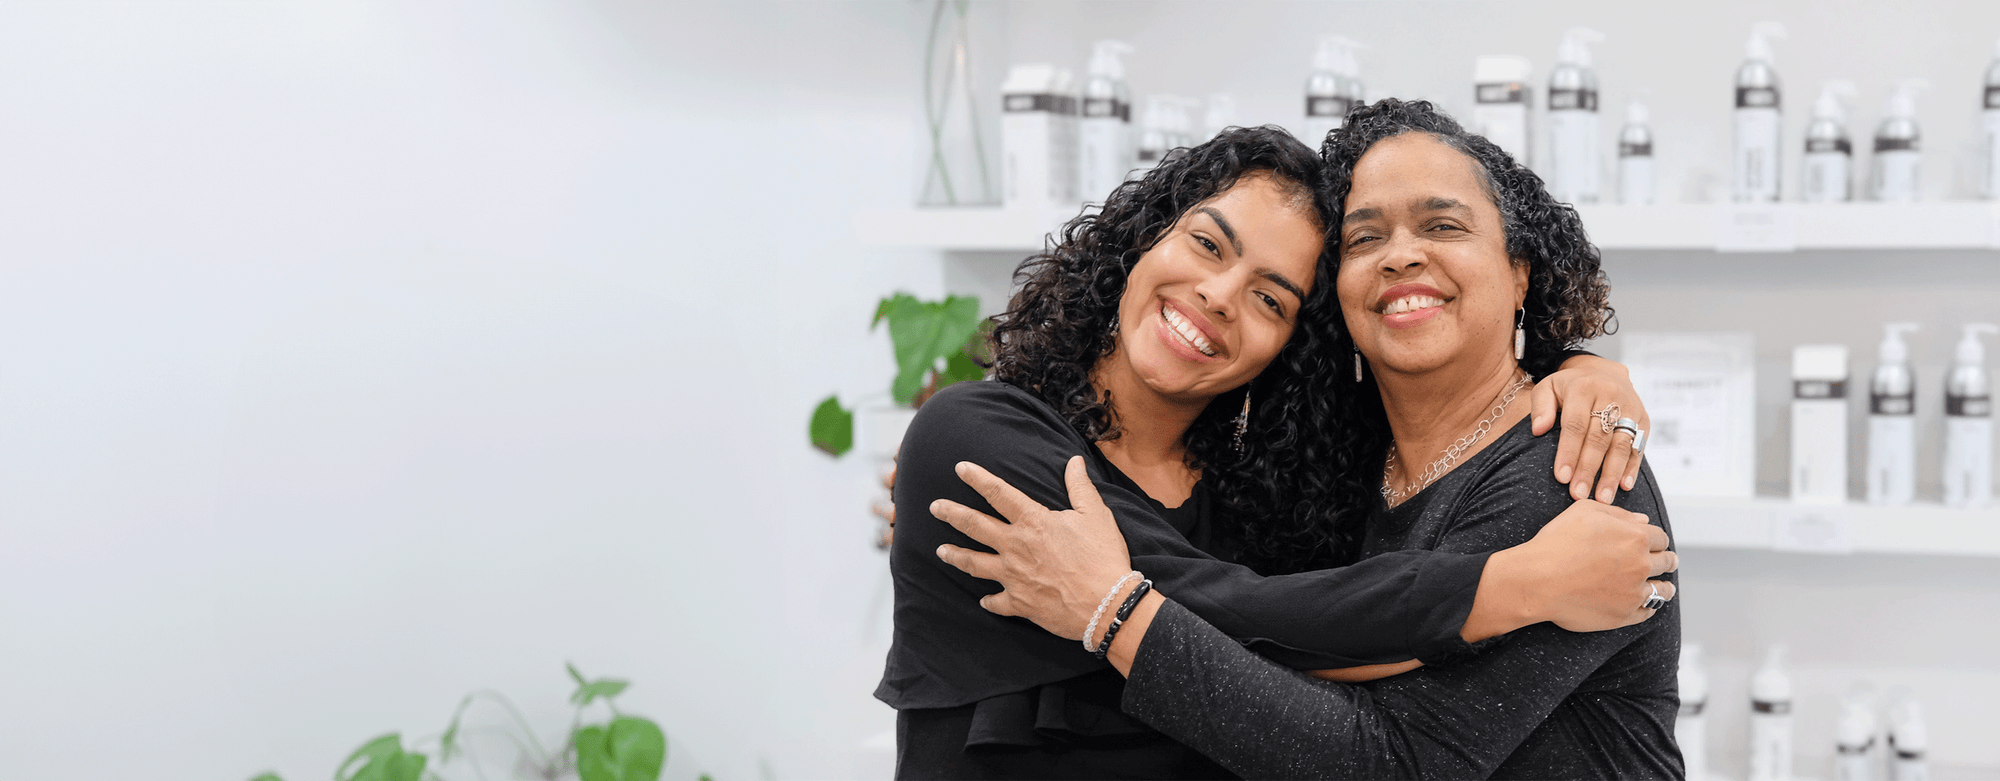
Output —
(1124, 612)
(1105, 605)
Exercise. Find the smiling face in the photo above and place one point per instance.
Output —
(1424, 278)
(1212, 303)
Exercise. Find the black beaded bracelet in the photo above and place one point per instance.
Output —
(1124, 612)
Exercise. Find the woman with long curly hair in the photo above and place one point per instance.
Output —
(1175, 343)
(1455, 270)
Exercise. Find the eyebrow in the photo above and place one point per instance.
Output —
(1280, 280)
(1223, 223)
(1433, 203)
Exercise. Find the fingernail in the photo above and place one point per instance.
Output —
(937, 506)
(961, 466)
(1563, 473)
(940, 551)
(1579, 491)
(1642, 516)
(1630, 483)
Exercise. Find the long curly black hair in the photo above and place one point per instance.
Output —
(1568, 298)
(1059, 325)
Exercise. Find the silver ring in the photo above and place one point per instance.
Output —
(1639, 441)
(1654, 602)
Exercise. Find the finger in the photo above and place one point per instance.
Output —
(1612, 476)
(1002, 604)
(1543, 397)
(1656, 539)
(1663, 562)
(889, 477)
(985, 566)
(1638, 457)
(1595, 443)
(1083, 496)
(1575, 420)
(885, 510)
(1667, 589)
(1009, 501)
(988, 530)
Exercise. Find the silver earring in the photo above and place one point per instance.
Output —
(1114, 325)
(1243, 419)
(1520, 333)
(1357, 365)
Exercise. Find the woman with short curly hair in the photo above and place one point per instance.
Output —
(1455, 268)
(1171, 347)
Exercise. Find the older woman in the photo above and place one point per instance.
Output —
(1173, 341)
(1455, 266)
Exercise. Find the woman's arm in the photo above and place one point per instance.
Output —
(1588, 453)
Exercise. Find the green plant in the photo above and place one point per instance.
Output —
(626, 748)
(937, 343)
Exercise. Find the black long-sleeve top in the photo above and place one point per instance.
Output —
(1543, 703)
(963, 677)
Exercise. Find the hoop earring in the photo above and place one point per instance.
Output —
(1242, 420)
(1520, 333)
(1357, 364)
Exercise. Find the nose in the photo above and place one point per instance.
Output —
(1403, 255)
(1220, 291)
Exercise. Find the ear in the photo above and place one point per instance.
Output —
(1520, 269)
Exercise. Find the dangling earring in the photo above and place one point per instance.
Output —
(1114, 325)
(1243, 419)
(1357, 364)
(1520, 333)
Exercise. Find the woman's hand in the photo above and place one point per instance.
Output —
(1054, 567)
(1588, 570)
(1586, 455)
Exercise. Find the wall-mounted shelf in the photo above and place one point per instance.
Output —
(1847, 226)
(1778, 524)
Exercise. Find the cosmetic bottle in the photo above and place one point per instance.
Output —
(1892, 426)
(1037, 136)
(1635, 156)
(1221, 114)
(1989, 115)
(1573, 162)
(1856, 752)
(1157, 136)
(1771, 719)
(1501, 97)
(1755, 167)
(1827, 174)
(1691, 727)
(1104, 133)
(1968, 423)
(1898, 160)
(1908, 741)
(1328, 91)
(1819, 423)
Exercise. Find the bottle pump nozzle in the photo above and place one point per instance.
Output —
(1575, 46)
(1107, 58)
(1903, 97)
(1829, 105)
(1759, 45)
(1893, 348)
(1970, 351)
(1636, 113)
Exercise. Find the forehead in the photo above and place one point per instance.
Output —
(1415, 165)
(1278, 226)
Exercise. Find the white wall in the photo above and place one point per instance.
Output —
(358, 355)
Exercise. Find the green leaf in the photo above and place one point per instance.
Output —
(267, 777)
(595, 689)
(961, 368)
(832, 430)
(913, 332)
(382, 759)
(628, 749)
(882, 310)
(573, 674)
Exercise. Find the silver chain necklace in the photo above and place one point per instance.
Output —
(1451, 454)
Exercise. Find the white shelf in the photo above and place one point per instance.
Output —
(1847, 226)
(1776, 524)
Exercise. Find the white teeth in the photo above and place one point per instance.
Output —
(1411, 304)
(1186, 330)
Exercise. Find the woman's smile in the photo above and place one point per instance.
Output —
(1407, 305)
(1187, 332)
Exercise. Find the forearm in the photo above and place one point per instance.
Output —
(1505, 600)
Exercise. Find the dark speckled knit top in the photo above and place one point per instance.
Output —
(1543, 703)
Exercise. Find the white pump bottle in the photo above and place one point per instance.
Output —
(1573, 134)
(1910, 740)
(1691, 727)
(1898, 160)
(1857, 751)
(1104, 134)
(1329, 90)
(1968, 423)
(1771, 719)
(1635, 156)
(1756, 166)
(1892, 427)
(1989, 115)
(1828, 173)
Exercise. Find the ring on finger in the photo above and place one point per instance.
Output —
(1605, 416)
(1654, 601)
(1631, 426)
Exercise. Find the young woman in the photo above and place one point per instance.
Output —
(1170, 341)
(1447, 250)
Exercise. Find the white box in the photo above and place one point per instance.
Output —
(1700, 390)
(1819, 423)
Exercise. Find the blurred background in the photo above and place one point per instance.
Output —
(356, 356)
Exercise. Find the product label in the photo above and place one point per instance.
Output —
(1968, 406)
(1573, 160)
(1048, 102)
(1327, 107)
(1572, 99)
(1754, 175)
(1861, 749)
(1756, 97)
(1819, 389)
(1993, 97)
(1896, 174)
(1693, 708)
(1630, 149)
(1151, 156)
(1895, 144)
(1773, 708)
(1840, 145)
(1885, 404)
(1826, 176)
(1503, 92)
(1100, 108)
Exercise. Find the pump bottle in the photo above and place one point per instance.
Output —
(1819, 423)
(1771, 719)
(1892, 428)
(1328, 91)
(1989, 180)
(1857, 755)
(1635, 156)
(1501, 97)
(1105, 130)
(1827, 175)
(1755, 167)
(1156, 134)
(1573, 161)
(1691, 728)
(1909, 740)
(1897, 160)
(1968, 423)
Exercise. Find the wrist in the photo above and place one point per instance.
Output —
(1113, 591)
(1507, 598)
